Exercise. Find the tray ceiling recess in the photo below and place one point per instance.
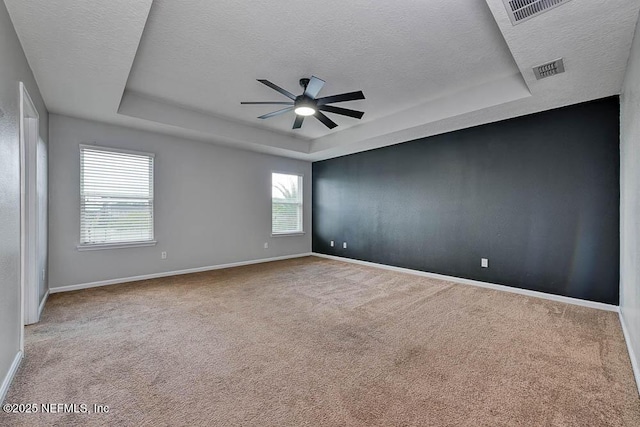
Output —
(523, 10)
(183, 68)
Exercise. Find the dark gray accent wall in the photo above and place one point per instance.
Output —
(537, 195)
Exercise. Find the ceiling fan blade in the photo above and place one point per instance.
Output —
(343, 97)
(278, 88)
(314, 87)
(267, 103)
(344, 111)
(276, 113)
(325, 120)
(297, 124)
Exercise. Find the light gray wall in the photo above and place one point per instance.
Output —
(13, 69)
(212, 205)
(630, 201)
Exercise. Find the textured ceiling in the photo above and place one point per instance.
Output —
(426, 67)
(594, 38)
(208, 55)
(80, 52)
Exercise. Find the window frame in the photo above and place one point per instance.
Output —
(301, 189)
(116, 245)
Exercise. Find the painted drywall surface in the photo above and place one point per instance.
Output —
(212, 205)
(537, 195)
(630, 199)
(13, 69)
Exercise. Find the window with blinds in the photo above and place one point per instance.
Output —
(286, 203)
(116, 197)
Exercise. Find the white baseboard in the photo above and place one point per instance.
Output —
(536, 294)
(42, 303)
(170, 273)
(632, 355)
(8, 379)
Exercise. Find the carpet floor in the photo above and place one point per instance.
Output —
(316, 342)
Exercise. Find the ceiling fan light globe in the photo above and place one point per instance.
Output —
(305, 111)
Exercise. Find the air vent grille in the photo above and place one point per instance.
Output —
(522, 10)
(549, 69)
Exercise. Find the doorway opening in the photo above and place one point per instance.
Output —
(32, 212)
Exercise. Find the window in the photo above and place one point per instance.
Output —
(116, 197)
(286, 203)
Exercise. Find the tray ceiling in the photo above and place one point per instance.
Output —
(182, 68)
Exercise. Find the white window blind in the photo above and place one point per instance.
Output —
(286, 203)
(116, 196)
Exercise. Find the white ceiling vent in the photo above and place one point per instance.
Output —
(549, 69)
(522, 10)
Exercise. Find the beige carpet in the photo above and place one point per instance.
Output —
(323, 343)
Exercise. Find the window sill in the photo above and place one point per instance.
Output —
(99, 247)
(297, 233)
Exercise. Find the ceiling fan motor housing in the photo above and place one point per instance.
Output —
(305, 101)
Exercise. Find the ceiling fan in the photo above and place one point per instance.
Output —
(308, 104)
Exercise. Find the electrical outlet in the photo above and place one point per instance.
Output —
(163, 255)
(332, 243)
(344, 245)
(266, 245)
(484, 263)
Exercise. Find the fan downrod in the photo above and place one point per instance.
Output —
(304, 82)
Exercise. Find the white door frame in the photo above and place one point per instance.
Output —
(29, 135)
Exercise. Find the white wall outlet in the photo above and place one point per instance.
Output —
(344, 245)
(163, 255)
(484, 263)
(266, 245)
(332, 243)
